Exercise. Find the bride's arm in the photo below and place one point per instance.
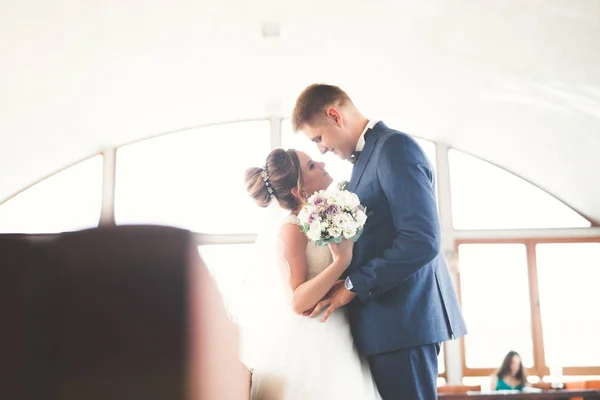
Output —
(308, 293)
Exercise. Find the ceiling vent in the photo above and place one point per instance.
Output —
(270, 30)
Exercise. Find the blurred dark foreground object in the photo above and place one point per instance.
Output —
(126, 312)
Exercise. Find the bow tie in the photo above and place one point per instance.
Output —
(355, 154)
(354, 157)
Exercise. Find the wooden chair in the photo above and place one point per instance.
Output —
(581, 385)
(575, 385)
(542, 385)
(592, 384)
(458, 388)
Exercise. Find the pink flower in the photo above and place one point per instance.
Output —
(318, 200)
(332, 209)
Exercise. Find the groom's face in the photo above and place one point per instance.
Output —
(329, 136)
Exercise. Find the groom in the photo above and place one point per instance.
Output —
(401, 300)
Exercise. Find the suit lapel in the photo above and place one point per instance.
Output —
(365, 155)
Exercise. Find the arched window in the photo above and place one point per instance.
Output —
(192, 179)
(487, 197)
(69, 200)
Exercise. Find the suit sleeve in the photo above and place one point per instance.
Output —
(408, 185)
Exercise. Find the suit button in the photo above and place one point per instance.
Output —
(374, 289)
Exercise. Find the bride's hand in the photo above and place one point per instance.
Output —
(342, 252)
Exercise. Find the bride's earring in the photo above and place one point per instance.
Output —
(305, 195)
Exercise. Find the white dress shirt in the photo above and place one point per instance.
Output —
(361, 140)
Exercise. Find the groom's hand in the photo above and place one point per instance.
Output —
(337, 297)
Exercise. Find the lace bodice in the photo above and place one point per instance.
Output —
(318, 258)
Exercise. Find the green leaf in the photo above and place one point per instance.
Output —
(355, 237)
(321, 243)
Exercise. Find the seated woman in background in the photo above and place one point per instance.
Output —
(511, 375)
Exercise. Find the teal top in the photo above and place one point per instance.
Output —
(501, 385)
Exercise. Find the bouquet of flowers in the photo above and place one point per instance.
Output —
(329, 216)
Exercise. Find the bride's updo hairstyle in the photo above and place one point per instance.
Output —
(277, 178)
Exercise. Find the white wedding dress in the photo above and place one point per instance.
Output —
(294, 357)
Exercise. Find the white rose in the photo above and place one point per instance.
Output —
(349, 199)
(343, 195)
(361, 217)
(303, 215)
(314, 232)
(351, 225)
(348, 219)
(338, 219)
(354, 200)
(349, 232)
(334, 232)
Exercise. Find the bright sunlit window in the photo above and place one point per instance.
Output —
(66, 201)
(487, 197)
(441, 360)
(192, 179)
(569, 275)
(495, 301)
(229, 265)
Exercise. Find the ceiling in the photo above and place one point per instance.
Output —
(515, 82)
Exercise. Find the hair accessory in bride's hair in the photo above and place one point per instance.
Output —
(265, 177)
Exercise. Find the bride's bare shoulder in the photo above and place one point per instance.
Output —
(291, 232)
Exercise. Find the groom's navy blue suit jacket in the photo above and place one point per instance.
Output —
(405, 297)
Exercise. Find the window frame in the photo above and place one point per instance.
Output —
(540, 368)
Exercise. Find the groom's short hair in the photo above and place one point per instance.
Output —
(312, 102)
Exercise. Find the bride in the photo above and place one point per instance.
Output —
(294, 357)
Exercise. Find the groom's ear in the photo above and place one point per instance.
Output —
(335, 115)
